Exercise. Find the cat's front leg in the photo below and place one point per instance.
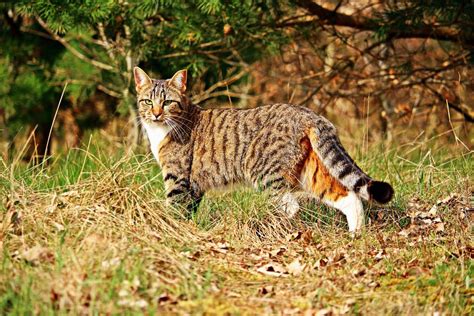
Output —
(181, 195)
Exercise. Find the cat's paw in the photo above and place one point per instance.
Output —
(289, 205)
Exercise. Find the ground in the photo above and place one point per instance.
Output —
(86, 233)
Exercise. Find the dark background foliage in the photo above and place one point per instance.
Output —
(396, 62)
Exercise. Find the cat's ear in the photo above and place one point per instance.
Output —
(179, 80)
(141, 78)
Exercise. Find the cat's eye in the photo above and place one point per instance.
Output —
(167, 102)
(148, 101)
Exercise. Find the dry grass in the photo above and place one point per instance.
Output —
(89, 234)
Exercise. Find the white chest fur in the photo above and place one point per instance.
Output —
(156, 133)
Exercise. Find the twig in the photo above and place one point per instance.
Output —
(105, 43)
(74, 51)
(110, 92)
(54, 120)
(459, 107)
(456, 138)
(209, 93)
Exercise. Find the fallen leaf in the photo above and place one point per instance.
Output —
(380, 255)
(220, 248)
(93, 240)
(468, 251)
(266, 290)
(307, 237)
(53, 205)
(71, 194)
(321, 263)
(233, 294)
(155, 234)
(351, 302)
(165, 298)
(296, 268)
(273, 269)
(449, 198)
(293, 236)
(292, 311)
(223, 245)
(136, 282)
(123, 293)
(58, 226)
(107, 264)
(227, 29)
(423, 221)
(141, 303)
(358, 272)
(276, 252)
(338, 257)
(37, 254)
(255, 257)
(324, 312)
(124, 302)
(54, 296)
(433, 210)
(404, 233)
(439, 227)
(191, 255)
(373, 284)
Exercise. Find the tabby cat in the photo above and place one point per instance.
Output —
(288, 149)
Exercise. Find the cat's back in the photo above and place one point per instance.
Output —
(255, 119)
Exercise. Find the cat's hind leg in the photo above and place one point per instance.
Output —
(282, 195)
(351, 206)
(289, 204)
(316, 179)
(297, 200)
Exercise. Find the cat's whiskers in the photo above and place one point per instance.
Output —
(140, 122)
(172, 124)
(180, 117)
(183, 127)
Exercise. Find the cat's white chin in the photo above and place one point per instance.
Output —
(156, 132)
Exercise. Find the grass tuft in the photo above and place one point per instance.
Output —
(88, 232)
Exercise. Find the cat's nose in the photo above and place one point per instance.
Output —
(156, 113)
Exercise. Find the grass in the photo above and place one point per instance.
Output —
(88, 233)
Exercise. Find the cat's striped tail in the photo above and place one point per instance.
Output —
(326, 144)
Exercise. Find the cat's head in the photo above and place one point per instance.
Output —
(160, 101)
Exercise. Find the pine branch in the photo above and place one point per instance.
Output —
(73, 50)
(361, 22)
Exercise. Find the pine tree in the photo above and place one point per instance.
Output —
(95, 44)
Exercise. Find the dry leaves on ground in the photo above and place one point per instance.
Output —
(426, 218)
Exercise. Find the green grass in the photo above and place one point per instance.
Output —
(87, 232)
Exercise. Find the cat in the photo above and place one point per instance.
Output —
(287, 149)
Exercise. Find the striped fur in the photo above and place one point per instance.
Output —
(281, 147)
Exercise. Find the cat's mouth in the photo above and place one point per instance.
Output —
(156, 119)
(158, 122)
